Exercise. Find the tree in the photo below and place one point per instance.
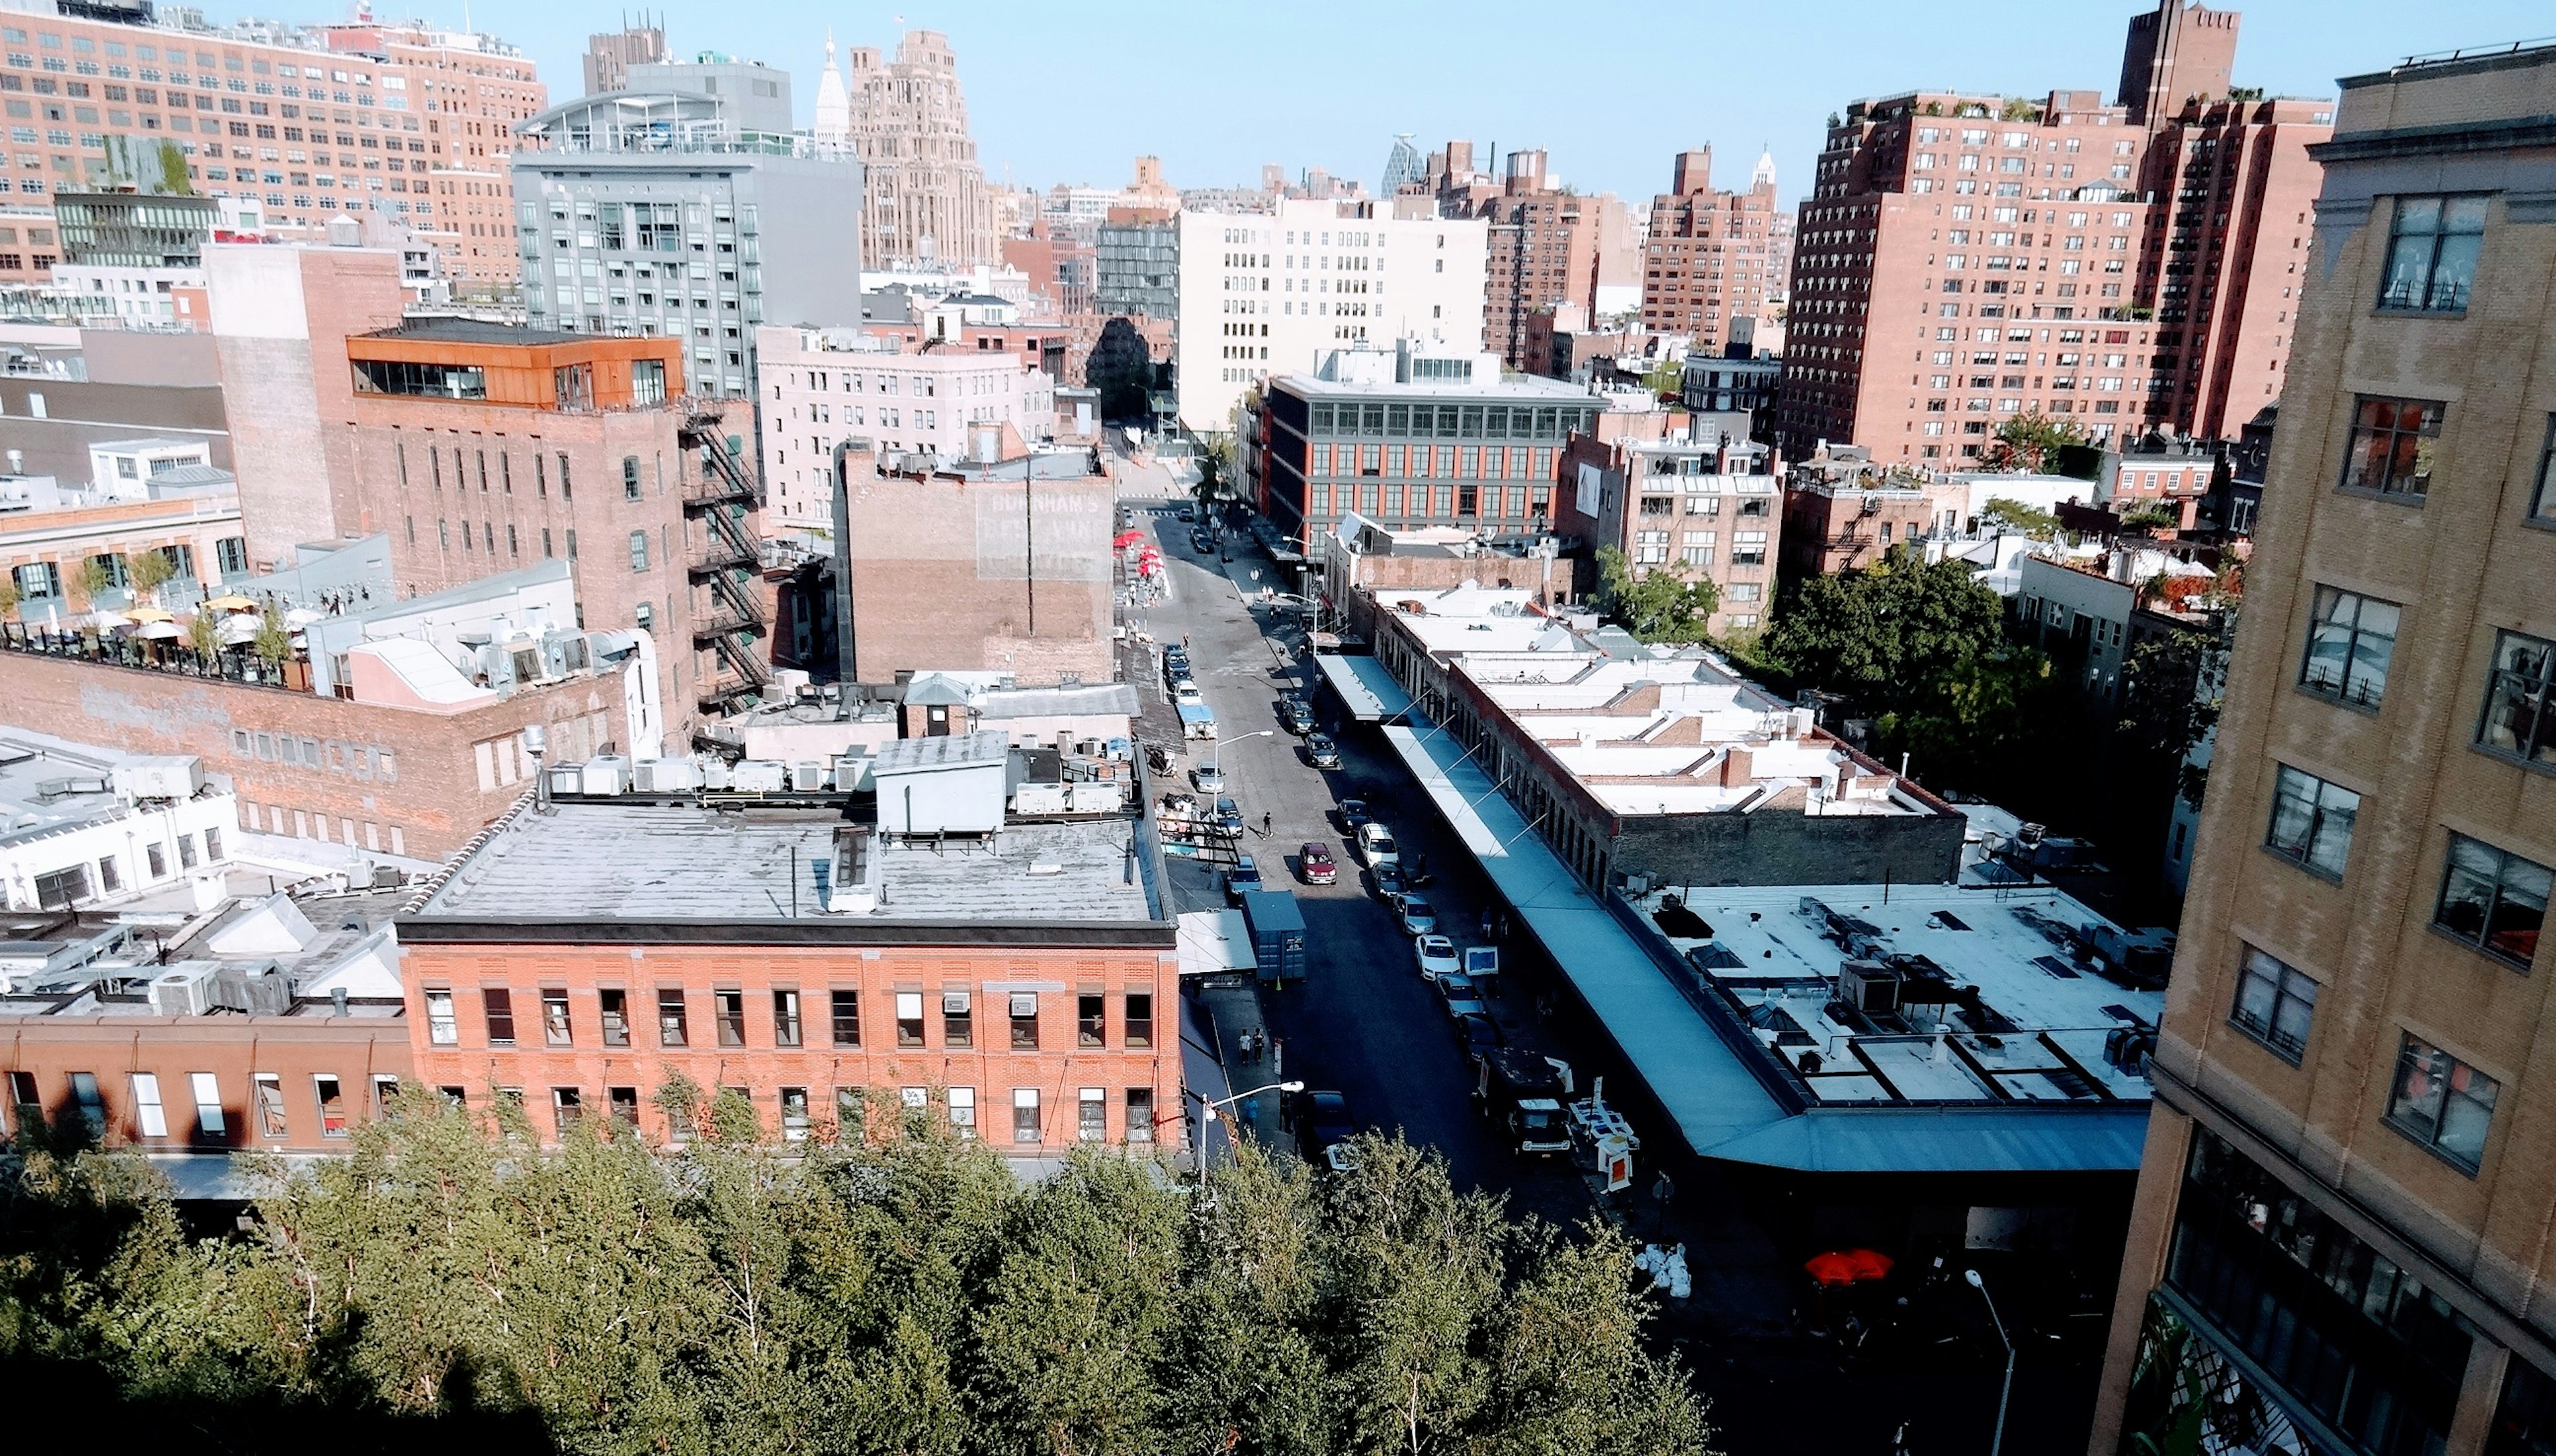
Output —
(1661, 605)
(1887, 635)
(274, 640)
(146, 573)
(2005, 513)
(1665, 378)
(205, 635)
(2153, 516)
(91, 578)
(10, 596)
(1121, 368)
(2026, 442)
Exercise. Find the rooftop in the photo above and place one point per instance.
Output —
(625, 870)
(444, 328)
(1508, 387)
(51, 785)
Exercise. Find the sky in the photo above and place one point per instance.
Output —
(1074, 92)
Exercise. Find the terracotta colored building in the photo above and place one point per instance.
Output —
(1016, 977)
(1712, 253)
(1965, 259)
(1696, 501)
(1547, 246)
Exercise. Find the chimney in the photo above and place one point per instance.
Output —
(1739, 766)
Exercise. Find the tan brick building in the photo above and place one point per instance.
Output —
(2339, 1241)
(1711, 255)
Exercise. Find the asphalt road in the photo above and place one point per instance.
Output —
(1365, 1023)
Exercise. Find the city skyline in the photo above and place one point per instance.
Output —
(1309, 101)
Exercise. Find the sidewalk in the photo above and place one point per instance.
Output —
(1231, 1013)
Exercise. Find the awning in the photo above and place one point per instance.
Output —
(1369, 691)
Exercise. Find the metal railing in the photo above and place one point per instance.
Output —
(177, 658)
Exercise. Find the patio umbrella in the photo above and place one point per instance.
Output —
(1869, 1264)
(106, 621)
(302, 617)
(151, 614)
(1832, 1268)
(161, 631)
(237, 630)
(231, 602)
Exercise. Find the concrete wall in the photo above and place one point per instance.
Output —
(408, 783)
(81, 413)
(120, 356)
(1791, 848)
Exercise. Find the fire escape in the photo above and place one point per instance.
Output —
(727, 559)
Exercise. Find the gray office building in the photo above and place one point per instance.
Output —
(659, 210)
(1137, 268)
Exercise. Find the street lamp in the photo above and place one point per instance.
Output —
(1206, 1112)
(1214, 746)
(1998, 1443)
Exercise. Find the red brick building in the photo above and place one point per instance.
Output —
(1965, 259)
(1016, 977)
(1712, 253)
(1549, 246)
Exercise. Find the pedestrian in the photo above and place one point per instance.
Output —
(1662, 1190)
(1487, 924)
(1265, 823)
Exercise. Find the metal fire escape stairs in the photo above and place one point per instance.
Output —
(727, 557)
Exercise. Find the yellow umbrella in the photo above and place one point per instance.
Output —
(231, 602)
(151, 614)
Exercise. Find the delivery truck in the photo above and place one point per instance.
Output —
(1521, 1092)
(1277, 935)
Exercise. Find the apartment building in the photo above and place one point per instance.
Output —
(1411, 440)
(823, 387)
(665, 210)
(1015, 975)
(1696, 500)
(906, 118)
(399, 120)
(1546, 245)
(2338, 1243)
(1710, 258)
(1263, 293)
(1966, 259)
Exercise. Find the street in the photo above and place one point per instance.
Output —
(1366, 1024)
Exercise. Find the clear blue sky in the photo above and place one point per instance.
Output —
(1072, 92)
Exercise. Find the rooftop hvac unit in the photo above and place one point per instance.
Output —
(566, 779)
(718, 774)
(2130, 1047)
(173, 777)
(852, 772)
(186, 990)
(1096, 799)
(665, 775)
(1039, 798)
(807, 776)
(1868, 986)
(760, 776)
(260, 991)
(607, 774)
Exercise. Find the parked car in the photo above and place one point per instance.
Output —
(1185, 515)
(1352, 813)
(1175, 663)
(1316, 858)
(1388, 884)
(1208, 778)
(1474, 1033)
(1322, 1122)
(1461, 995)
(1419, 917)
(1298, 714)
(1322, 751)
(1375, 844)
(1243, 877)
(1186, 691)
(1437, 955)
(1228, 818)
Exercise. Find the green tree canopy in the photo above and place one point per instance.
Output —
(2007, 514)
(903, 1294)
(2027, 441)
(1663, 604)
(1889, 634)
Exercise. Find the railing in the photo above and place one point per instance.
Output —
(177, 658)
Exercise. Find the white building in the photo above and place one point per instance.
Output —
(1269, 292)
(823, 386)
(82, 825)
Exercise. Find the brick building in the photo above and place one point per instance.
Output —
(1694, 499)
(1017, 977)
(305, 123)
(2339, 1241)
(1710, 259)
(1548, 245)
(2115, 265)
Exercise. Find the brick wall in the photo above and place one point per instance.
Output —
(295, 1050)
(940, 576)
(408, 783)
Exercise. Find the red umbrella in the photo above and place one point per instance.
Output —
(1832, 1268)
(1125, 538)
(1869, 1264)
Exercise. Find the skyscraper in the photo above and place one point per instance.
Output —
(1403, 166)
(1549, 245)
(609, 55)
(2340, 1239)
(1968, 258)
(908, 121)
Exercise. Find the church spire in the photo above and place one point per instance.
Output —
(834, 106)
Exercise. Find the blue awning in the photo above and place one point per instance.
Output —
(1369, 691)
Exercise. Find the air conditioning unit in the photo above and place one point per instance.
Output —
(807, 776)
(187, 991)
(170, 777)
(760, 776)
(1868, 986)
(607, 774)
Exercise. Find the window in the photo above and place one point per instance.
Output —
(91, 1106)
(851, 1114)
(2350, 640)
(794, 1113)
(26, 1104)
(957, 1019)
(962, 1110)
(148, 1115)
(554, 1030)
(2391, 446)
(909, 1018)
(1025, 1115)
(2493, 899)
(1091, 1021)
(624, 1105)
(441, 1028)
(630, 478)
(2432, 253)
(2274, 1004)
(499, 1003)
(670, 1017)
(2311, 821)
(2521, 700)
(210, 1124)
(1091, 1114)
(785, 1018)
(267, 1092)
(616, 1016)
(848, 1017)
(2442, 1103)
(1140, 1114)
(332, 1097)
(730, 1007)
(638, 551)
(1025, 1021)
(1140, 1019)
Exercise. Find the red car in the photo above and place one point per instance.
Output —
(1317, 863)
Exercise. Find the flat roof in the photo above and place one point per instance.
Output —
(1362, 683)
(622, 870)
(446, 328)
(1504, 389)
(33, 769)
(950, 750)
